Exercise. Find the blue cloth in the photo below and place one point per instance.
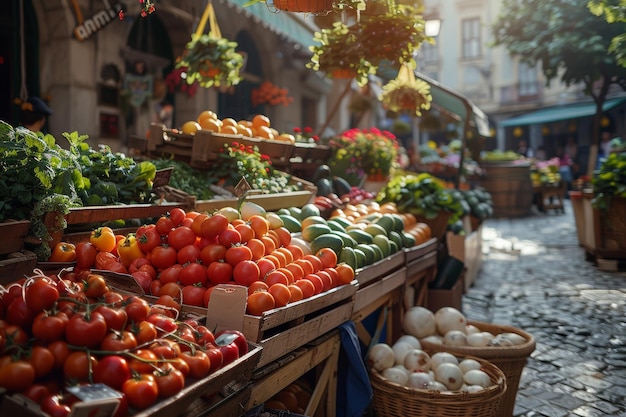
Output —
(354, 390)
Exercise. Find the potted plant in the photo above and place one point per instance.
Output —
(211, 61)
(406, 93)
(360, 154)
(310, 6)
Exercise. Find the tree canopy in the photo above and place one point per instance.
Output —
(614, 11)
(568, 42)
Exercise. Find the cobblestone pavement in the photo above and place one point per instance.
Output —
(535, 277)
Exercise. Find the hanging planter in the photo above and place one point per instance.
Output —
(304, 6)
(211, 61)
(406, 93)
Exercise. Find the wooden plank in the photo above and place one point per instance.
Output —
(373, 296)
(419, 251)
(418, 265)
(286, 341)
(93, 214)
(265, 388)
(379, 269)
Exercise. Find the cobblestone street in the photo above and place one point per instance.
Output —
(535, 277)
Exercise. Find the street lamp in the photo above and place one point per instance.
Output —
(432, 26)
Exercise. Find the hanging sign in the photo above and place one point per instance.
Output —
(90, 26)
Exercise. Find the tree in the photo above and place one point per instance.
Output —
(614, 11)
(569, 42)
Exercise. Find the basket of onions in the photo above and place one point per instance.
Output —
(409, 381)
(448, 330)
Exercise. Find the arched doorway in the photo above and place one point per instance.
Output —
(236, 103)
(149, 47)
(11, 73)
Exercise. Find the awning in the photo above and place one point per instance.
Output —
(564, 112)
(456, 105)
(282, 23)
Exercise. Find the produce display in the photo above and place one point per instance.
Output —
(71, 329)
(449, 327)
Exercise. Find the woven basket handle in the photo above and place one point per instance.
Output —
(209, 15)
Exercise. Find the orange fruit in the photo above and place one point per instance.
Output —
(259, 302)
(229, 130)
(296, 293)
(264, 132)
(229, 121)
(210, 124)
(276, 277)
(307, 287)
(242, 130)
(257, 286)
(345, 272)
(260, 120)
(191, 127)
(281, 294)
(207, 114)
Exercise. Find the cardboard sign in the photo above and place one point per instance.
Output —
(227, 307)
(242, 187)
(97, 400)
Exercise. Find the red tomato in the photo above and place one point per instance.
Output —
(199, 363)
(61, 351)
(141, 391)
(118, 341)
(95, 286)
(78, 364)
(193, 273)
(16, 375)
(143, 361)
(327, 281)
(162, 323)
(177, 215)
(147, 238)
(104, 259)
(233, 336)
(204, 336)
(116, 318)
(137, 309)
(164, 225)
(85, 255)
(144, 331)
(187, 254)
(169, 380)
(144, 280)
(163, 256)
(40, 294)
(229, 237)
(86, 329)
(213, 226)
(48, 328)
(53, 406)
(19, 314)
(155, 287)
(328, 257)
(180, 237)
(265, 266)
(37, 392)
(317, 282)
(112, 370)
(260, 302)
(173, 289)
(276, 277)
(257, 247)
(219, 272)
(216, 357)
(41, 359)
(194, 295)
(245, 231)
(212, 253)
(170, 274)
(238, 253)
(246, 272)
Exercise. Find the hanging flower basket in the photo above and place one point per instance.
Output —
(211, 61)
(406, 93)
(304, 6)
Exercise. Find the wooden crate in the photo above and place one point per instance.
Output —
(269, 202)
(16, 266)
(310, 152)
(13, 234)
(97, 214)
(324, 353)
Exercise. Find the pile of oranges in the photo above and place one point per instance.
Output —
(258, 127)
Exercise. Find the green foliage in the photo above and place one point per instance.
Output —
(614, 11)
(610, 181)
(564, 37)
(423, 195)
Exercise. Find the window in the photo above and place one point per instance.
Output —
(471, 38)
(429, 53)
(527, 80)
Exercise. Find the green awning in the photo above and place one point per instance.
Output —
(564, 112)
(281, 23)
(456, 105)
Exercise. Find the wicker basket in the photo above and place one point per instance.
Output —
(511, 360)
(393, 400)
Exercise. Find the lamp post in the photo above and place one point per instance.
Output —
(432, 27)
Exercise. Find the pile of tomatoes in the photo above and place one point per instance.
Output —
(73, 329)
(185, 254)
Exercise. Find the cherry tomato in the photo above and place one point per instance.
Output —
(86, 330)
(112, 370)
(141, 391)
(177, 215)
(193, 273)
(180, 237)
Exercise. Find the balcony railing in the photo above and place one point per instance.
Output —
(521, 93)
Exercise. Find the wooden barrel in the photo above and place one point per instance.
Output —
(510, 187)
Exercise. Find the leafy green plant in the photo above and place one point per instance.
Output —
(211, 61)
(422, 195)
(610, 181)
